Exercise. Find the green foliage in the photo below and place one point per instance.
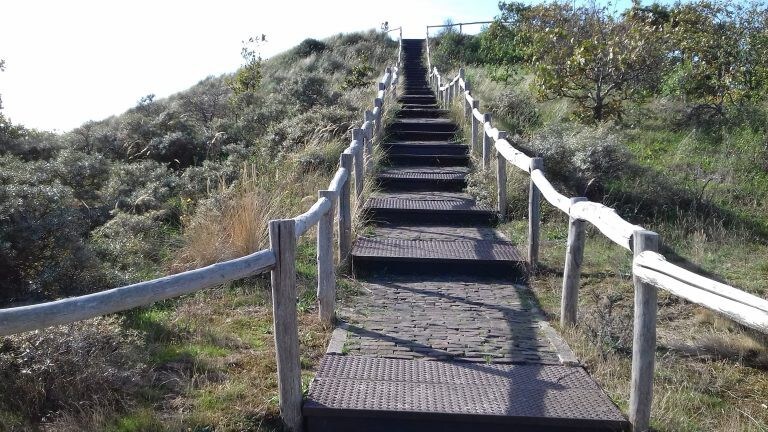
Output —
(517, 108)
(310, 46)
(588, 55)
(358, 76)
(248, 78)
(453, 50)
(721, 54)
(583, 158)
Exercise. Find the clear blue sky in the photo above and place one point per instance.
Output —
(78, 60)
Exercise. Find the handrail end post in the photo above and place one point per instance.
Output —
(282, 241)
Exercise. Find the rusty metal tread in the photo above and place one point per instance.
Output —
(425, 173)
(465, 250)
(508, 392)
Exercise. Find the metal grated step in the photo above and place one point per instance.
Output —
(398, 249)
(489, 396)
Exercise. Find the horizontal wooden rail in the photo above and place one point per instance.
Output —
(513, 155)
(550, 194)
(342, 175)
(607, 221)
(64, 311)
(308, 219)
(742, 307)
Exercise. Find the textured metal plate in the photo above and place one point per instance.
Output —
(503, 391)
(480, 250)
(437, 232)
(426, 205)
(426, 173)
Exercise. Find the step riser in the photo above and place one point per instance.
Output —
(427, 160)
(412, 135)
(418, 99)
(397, 127)
(421, 113)
(420, 106)
(366, 266)
(442, 218)
(427, 149)
(421, 185)
(387, 423)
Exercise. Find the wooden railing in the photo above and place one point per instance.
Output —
(280, 259)
(649, 268)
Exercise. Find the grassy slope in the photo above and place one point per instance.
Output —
(206, 361)
(711, 374)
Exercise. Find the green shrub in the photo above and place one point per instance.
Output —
(89, 366)
(581, 156)
(517, 109)
(310, 46)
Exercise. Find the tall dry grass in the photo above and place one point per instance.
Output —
(234, 222)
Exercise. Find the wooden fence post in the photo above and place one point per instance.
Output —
(534, 216)
(501, 181)
(360, 136)
(467, 105)
(345, 211)
(377, 118)
(644, 339)
(359, 160)
(282, 240)
(574, 255)
(326, 278)
(473, 128)
(486, 142)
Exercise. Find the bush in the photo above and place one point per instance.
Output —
(310, 46)
(453, 50)
(517, 109)
(42, 231)
(580, 156)
(82, 368)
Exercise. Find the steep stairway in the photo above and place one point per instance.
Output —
(442, 284)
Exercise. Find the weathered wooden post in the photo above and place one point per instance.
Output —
(574, 255)
(473, 128)
(282, 240)
(326, 278)
(644, 339)
(359, 135)
(534, 216)
(378, 103)
(501, 181)
(467, 105)
(345, 210)
(359, 168)
(486, 141)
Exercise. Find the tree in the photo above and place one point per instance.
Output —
(248, 78)
(598, 60)
(721, 54)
